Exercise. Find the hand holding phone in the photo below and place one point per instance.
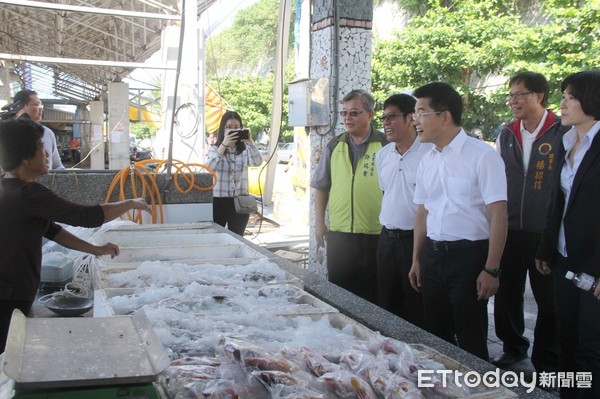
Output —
(242, 134)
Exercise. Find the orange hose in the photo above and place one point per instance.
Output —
(139, 175)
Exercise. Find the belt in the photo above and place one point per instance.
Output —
(445, 246)
(397, 233)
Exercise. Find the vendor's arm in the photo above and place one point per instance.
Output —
(115, 209)
(68, 240)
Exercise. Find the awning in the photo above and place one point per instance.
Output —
(137, 114)
(215, 108)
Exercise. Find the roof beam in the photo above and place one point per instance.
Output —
(76, 61)
(89, 10)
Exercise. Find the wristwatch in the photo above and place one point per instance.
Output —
(492, 272)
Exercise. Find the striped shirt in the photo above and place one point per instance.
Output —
(232, 165)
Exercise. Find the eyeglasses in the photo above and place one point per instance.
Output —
(352, 114)
(418, 115)
(517, 96)
(389, 117)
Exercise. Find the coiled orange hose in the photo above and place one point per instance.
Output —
(140, 175)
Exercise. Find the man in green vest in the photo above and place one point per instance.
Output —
(346, 184)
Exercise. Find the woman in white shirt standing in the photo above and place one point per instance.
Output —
(230, 157)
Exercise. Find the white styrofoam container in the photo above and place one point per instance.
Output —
(101, 275)
(308, 304)
(133, 254)
(159, 239)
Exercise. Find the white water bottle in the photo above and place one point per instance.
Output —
(583, 281)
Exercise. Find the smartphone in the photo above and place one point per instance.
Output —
(243, 134)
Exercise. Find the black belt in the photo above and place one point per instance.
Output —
(397, 233)
(451, 245)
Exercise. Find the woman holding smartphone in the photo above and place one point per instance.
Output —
(230, 157)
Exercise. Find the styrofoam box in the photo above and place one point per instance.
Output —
(100, 275)
(219, 300)
(140, 254)
(159, 239)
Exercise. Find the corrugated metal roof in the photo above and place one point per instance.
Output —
(70, 49)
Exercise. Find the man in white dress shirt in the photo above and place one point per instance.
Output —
(32, 106)
(397, 164)
(460, 223)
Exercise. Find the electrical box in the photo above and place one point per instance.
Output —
(308, 102)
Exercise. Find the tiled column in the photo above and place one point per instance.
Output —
(340, 51)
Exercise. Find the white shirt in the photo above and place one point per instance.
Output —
(456, 184)
(528, 138)
(397, 178)
(49, 140)
(568, 172)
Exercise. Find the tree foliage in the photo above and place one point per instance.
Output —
(475, 45)
(240, 64)
(142, 130)
(252, 97)
(249, 45)
(469, 42)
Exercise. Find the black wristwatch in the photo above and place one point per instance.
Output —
(492, 272)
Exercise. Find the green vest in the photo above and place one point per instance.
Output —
(354, 198)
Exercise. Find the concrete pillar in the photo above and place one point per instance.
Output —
(95, 139)
(187, 136)
(118, 125)
(341, 37)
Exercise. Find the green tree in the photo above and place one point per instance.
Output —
(252, 97)
(460, 45)
(142, 130)
(466, 42)
(249, 45)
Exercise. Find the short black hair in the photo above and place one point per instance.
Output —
(534, 82)
(585, 86)
(18, 141)
(23, 96)
(404, 102)
(442, 97)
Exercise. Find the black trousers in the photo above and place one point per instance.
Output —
(6, 310)
(394, 292)
(449, 272)
(518, 259)
(351, 262)
(578, 314)
(225, 215)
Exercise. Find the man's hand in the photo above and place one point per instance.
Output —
(141, 204)
(414, 276)
(542, 266)
(487, 286)
(320, 233)
(107, 249)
